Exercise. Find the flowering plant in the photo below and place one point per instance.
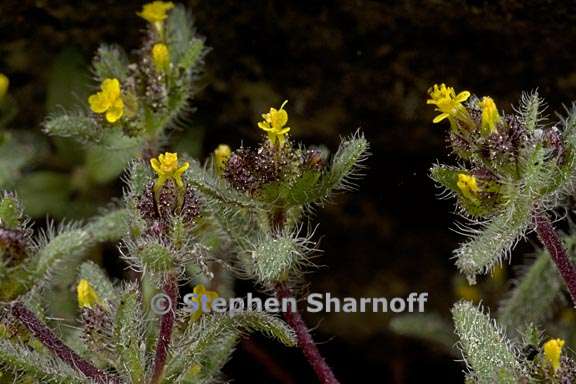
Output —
(181, 224)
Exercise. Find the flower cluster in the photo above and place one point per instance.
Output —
(495, 147)
(274, 161)
(112, 100)
(156, 13)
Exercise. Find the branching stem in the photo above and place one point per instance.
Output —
(57, 347)
(551, 241)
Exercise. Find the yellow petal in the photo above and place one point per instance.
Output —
(87, 296)
(440, 117)
(283, 131)
(182, 169)
(199, 289)
(156, 11)
(116, 111)
(160, 57)
(194, 370)
(99, 103)
(462, 96)
(111, 88)
(265, 126)
(155, 165)
(280, 118)
(553, 352)
(4, 83)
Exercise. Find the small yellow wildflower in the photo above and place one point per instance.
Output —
(448, 103)
(161, 57)
(108, 100)
(553, 351)
(490, 116)
(274, 124)
(195, 369)
(155, 12)
(87, 296)
(467, 292)
(203, 299)
(221, 156)
(167, 167)
(4, 83)
(468, 186)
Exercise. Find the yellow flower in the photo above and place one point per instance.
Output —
(202, 296)
(274, 124)
(4, 83)
(87, 296)
(161, 57)
(108, 100)
(553, 351)
(221, 156)
(448, 103)
(490, 116)
(194, 370)
(467, 292)
(468, 186)
(167, 167)
(155, 12)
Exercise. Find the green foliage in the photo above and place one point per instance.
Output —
(110, 62)
(426, 326)
(128, 333)
(344, 169)
(11, 214)
(186, 49)
(484, 347)
(19, 360)
(57, 249)
(513, 172)
(179, 223)
(275, 258)
(493, 243)
(74, 125)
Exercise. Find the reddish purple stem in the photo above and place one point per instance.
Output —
(305, 341)
(57, 347)
(553, 244)
(166, 327)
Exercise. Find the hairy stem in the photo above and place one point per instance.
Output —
(295, 321)
(551, 241)
(57, 347)
(166, 327)
(305, 341)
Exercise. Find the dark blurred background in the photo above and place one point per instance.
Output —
(343, 65)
